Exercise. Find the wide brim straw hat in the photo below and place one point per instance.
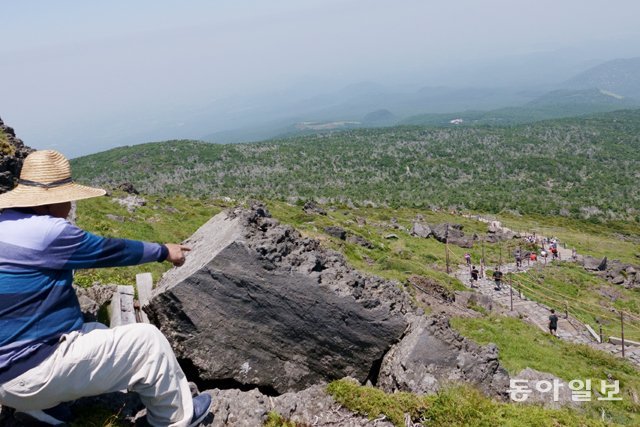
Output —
(45, 179)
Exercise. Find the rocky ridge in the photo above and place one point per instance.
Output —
(12, 154)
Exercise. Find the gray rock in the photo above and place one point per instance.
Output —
(618, 280)
(128, 187)
(358, 240)
(432, 354)
(468, 299)
(116, 218)
(131, 202)
(337, 232)
(93, 299)
(312, 406)
(258, 304)
(594, 264)
(534, 382)
(494, 227)
(391, 236)
(421, 230)
(313, 208)
(451, 233)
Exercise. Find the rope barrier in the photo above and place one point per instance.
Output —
(599, 315)
(576, 300)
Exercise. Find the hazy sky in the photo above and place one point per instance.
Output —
(67, 64)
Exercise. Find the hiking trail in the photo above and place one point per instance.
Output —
(569, 328)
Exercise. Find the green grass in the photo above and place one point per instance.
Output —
(522, 345)
(161, 220)
(393, 259)
(274, 419)
(454, 406)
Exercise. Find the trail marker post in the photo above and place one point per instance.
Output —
(622, 330)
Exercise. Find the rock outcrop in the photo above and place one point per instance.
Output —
(432, 355)
(453, 234)
(614, 271)
(258, 305)
(12, 155)
(497, 233)
(311, 406)
(421, 230)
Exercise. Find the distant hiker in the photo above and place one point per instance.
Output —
(554, 252)
(48, 355)
(518, 258)
(574, 254)
(497, 277)
(467, 258)
(474, 277)
(553, 323)
(533, 257)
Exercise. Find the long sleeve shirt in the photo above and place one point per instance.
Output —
(38, 254)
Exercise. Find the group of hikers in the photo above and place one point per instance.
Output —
(532, 256)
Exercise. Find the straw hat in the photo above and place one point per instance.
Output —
(46, 179)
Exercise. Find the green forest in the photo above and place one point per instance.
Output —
(584, 168)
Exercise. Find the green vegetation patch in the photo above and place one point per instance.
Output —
(583, 167)
(453, 406)
(274, 419)
(6, 148)
(522, 345)
(162, 220)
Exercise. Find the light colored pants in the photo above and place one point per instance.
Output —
(99, 360)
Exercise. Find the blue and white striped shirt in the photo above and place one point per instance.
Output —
(38, 254)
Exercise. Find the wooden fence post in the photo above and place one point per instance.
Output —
(622, 330)
(511, 293)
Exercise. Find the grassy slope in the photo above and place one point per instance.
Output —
(522, 345)
(173, 219)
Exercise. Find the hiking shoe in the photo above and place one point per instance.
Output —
(201, 405)
(57, 416)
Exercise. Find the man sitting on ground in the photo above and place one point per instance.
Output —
(48, 355)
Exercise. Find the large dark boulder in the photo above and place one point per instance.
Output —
(258, 305)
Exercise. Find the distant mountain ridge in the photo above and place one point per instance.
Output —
(611, 86)
(620, 76)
